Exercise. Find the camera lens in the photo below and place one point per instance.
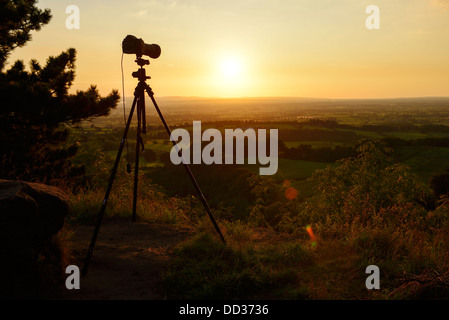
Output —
(151, 50)
(133, 45)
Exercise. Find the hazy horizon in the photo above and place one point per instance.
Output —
(299, 98)
(256, 49)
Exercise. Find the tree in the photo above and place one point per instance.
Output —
(17, 19)
(37, 109)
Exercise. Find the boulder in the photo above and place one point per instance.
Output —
(30, 214)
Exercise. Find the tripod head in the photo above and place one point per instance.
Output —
(141, 62)
(141, 73)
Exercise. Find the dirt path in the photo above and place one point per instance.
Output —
(127, 261)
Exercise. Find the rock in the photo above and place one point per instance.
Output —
(30, 214)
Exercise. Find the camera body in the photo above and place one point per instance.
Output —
(133, 45)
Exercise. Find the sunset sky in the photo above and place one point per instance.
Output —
(257, 48)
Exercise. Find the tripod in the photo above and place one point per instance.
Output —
(139, 101)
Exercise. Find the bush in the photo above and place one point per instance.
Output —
(369, 189)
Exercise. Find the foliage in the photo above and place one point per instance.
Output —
(440, 184)
(91, 157)
(152, 204)
(269, 203)
(368, 189)
(17, 19)
(36, 105)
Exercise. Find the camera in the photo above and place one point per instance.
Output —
(133, 45)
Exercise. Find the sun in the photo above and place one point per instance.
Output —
(231, 67)
(231, 78)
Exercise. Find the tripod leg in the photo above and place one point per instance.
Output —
(140, 107)
(186, 166)
(136, 174)
(108, 190)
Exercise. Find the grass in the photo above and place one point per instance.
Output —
(263, 264)
(205, 268)
(152, 205)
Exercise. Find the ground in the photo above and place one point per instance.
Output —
(127, 261)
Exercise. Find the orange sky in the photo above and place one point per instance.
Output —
(303, 48)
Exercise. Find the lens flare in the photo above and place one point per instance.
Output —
(290, 192)
(312, 235)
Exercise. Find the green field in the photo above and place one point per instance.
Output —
(407, 135)
(425, 161)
